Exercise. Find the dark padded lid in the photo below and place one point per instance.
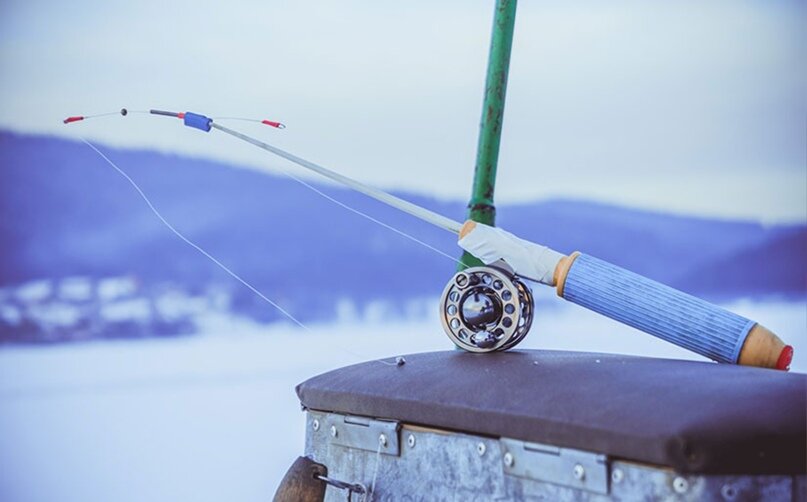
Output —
(694, 417)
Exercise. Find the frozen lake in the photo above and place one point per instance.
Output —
(215, 416)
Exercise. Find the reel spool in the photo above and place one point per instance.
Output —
(484, 309)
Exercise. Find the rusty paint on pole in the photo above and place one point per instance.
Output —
(481, 207)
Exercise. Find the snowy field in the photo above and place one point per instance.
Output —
(214, 417)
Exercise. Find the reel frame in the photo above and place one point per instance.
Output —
(486, 309)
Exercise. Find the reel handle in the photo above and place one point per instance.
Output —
(668, 314)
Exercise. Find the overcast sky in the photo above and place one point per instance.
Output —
(682, 107)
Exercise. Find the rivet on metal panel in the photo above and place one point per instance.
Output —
(579, 472)
(617, 476)
(334, 432)
(411, 440)
(680, 485)
(729, 492)
(481, 449)
(508, 459)
(315, 424)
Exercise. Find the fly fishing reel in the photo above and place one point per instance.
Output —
(484, 309)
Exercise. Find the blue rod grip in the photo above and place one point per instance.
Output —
(656, 309)
(197, 121)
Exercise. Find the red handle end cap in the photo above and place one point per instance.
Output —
(785, 358)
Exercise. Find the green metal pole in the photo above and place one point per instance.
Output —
(481, 207)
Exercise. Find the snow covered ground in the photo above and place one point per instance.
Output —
(215, 417)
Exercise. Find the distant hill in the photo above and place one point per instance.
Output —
(64, 212)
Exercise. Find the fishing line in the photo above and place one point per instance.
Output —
(190, 242)
(287, 173)
(216, 261)
(365, 215)
(123, 111)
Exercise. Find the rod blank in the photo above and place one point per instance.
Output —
(405, 206)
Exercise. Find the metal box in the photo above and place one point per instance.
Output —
(543, 425)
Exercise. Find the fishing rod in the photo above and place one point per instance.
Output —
(490, 308)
